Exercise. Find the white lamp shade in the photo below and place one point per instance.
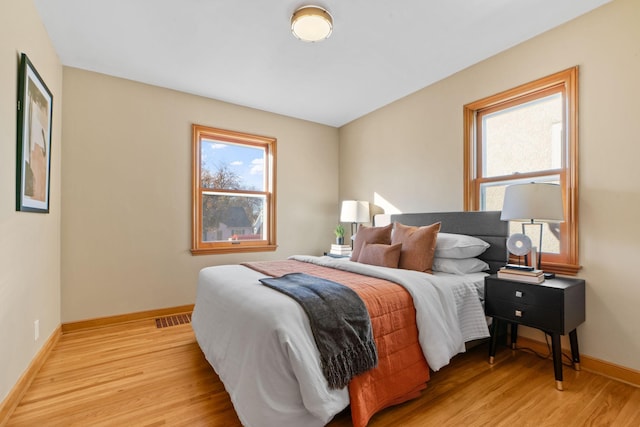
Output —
(354, 211)
(541, 202)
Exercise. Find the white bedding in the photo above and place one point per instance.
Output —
(260, 344)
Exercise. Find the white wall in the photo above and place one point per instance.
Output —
(127, 192)
(408, 156)
(29, 242)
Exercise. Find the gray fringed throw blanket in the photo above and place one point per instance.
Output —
(339, 321)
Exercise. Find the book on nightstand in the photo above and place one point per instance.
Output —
(527, 276)
(340, 249)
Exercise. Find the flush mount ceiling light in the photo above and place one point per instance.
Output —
(311, 24)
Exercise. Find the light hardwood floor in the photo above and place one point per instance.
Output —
(136, 375)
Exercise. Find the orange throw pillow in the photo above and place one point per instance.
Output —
(370, 235)
(418, 245)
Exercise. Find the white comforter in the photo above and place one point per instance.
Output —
(260, 343)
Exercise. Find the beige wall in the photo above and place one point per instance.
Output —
(29, 242)
(409, 155)
(126, 192)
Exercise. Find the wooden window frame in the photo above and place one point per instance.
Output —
(567, 262)
(200, 247)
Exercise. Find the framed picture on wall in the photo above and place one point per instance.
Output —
(35, 108)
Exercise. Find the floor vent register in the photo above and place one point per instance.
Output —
(173, 320)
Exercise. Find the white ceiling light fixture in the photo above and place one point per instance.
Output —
(311, 23)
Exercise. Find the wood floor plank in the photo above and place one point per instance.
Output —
(135, 374)
(630, 413)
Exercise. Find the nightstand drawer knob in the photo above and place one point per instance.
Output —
(518, 294)
(518, 313)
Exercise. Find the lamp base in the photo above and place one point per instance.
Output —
(549, 275)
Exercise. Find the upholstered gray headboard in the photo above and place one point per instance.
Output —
(483, 225)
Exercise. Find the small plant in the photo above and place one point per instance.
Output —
(339, 232)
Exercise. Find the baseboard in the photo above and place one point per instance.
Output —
(124, 318)
(588, 363)
(16, 394)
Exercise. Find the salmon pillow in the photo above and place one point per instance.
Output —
(418, 245)
(366, 234)
(381, 255)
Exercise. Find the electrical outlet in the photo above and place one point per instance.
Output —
(36, 330)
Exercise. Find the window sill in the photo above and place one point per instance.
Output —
(230, 249)
(561, 269)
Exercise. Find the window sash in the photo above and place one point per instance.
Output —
(529, 101)
(231, 233)
(254, 147)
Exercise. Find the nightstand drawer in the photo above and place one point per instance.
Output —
(536, 317)
(525, 293)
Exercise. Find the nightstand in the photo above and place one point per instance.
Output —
(555, 306)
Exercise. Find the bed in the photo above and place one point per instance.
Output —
(260, 343)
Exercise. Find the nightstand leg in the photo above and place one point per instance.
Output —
(514, 335)
(557, 359)
(575, 354)
(493, 341)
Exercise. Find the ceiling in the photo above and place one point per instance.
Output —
(243, 52)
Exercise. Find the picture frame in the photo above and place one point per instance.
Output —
(34, 120)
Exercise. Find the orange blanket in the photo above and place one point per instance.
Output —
(402, 370)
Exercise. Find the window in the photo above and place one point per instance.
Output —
(528, 134)
(233, 192)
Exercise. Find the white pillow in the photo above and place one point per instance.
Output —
(459, 246)
(459, 266)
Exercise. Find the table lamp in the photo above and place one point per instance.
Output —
(534, 204)
(355, 212)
